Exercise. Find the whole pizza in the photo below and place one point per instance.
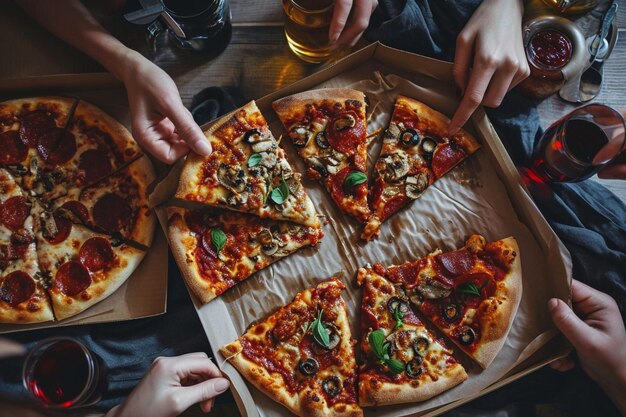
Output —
(74, 215)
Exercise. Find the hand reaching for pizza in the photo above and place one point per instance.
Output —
(160, 122)
(490, 58)
(596, 330)
(353, 16)
(172, 385)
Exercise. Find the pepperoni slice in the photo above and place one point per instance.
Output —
(345, 140)
(14, 212)
(406, 273)
(458, 262)
(112, 212)
(16, 288)
(78, 209)
(446, 156)
(64, 228)
(96, 253)
(337, 189)
(35, 124)
(56, 147)
(196, 221)
(12, 149)
(95, 164)
(393, 205)
(207, 243)
(72, 278)
(480, 281)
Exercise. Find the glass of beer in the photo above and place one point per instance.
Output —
(579, 144)
(306, 27)
(63, 374)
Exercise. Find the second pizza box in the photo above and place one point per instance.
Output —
(482, 195)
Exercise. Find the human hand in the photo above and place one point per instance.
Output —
(491, 44)
(160, 122)
(354, 17)
(172, 385)
(597, 333)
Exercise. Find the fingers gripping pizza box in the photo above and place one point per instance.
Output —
(121, 278)
(482, 195)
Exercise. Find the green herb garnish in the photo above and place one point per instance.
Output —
(398, 316)
(381, 351)
(218, 239)
(471, 289)
(254, 160)
(354, 178)
(280, 193)
(320, 333)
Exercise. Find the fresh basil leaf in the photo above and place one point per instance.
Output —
(280, 193)
(354, 178)
(218, 239)
(398, 316)
(376, 340)
(470, 289)
(320, 333)
(254, 160)
(395, 366)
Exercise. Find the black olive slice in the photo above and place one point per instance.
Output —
(429, 145)
(413, 368)
(466, 336)
(420, 345)
(248, 136)
(321, 140)
(409, 137)
(397, 302)
(332, 386)
(451, 312)
(308, 367)
(321, 170)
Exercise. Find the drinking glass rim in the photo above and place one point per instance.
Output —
(35, 353)
(212, 7)
(303, 9)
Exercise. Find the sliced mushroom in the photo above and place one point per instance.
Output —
(22, 236)
(431, 288)
(252, 136)
(397, 302)
(293, 183)
(268, 160)
(400, 340)
(413, 368)
(416, 298)
(345, 122)
(420, 346)
(269, 245)
(17, 170)
(416, 184)
(332, 386)
(339, 156)
(391, 191)
(308, 367)
(392, 133)
(409, 137)
(428, 145)
(396, 166)
(300, 136)
(451, 312)
(232, 177)
(321, 140)
(318, 166)
(264, 146)
(237, 199)
(48, 225)
(466, 336)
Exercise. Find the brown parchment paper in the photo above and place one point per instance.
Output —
(144, 293)
(472, 198)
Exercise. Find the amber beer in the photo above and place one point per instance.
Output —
(306, 28)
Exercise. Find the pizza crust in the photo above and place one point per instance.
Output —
(296, 103)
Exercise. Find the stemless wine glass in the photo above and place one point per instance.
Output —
(62, 373)
(307, 23)
(579, 144)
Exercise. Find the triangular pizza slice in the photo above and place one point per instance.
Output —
(302, 356)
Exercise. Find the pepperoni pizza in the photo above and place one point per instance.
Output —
(416, 152)
(73, 210)
(328, 129)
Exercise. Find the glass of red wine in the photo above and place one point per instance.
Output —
(62, 374)
(579, 144)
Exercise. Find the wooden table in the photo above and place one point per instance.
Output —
(258, 61)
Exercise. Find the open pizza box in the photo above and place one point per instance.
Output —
(144, 294)
(482, 195)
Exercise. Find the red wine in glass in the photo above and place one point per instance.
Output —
(63, 373)
(579, 145)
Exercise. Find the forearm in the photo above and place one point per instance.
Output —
(73, 23)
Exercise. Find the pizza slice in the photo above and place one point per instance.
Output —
(302, 356)
(117, 205)
(247, 171)
(403, 360)
(217, 249)
(82, 267)
(416, 152)
(328, 129)
(471, 294)
(22, 296)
